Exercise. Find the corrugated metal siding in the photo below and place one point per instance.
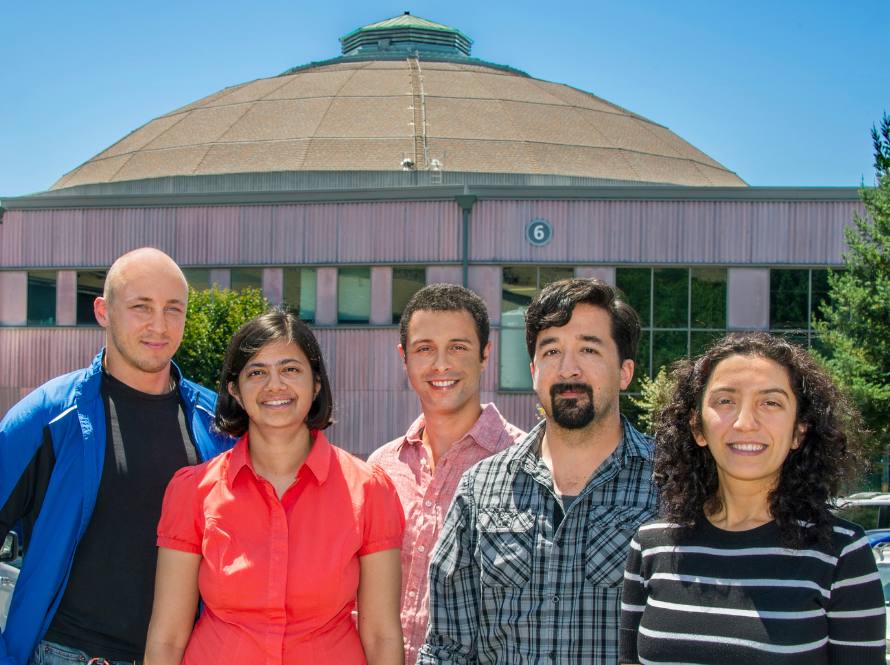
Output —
(32, 356)
(417, 231)
(717, 232)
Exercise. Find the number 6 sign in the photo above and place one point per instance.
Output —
(538, 232)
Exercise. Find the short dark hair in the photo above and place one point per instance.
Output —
(278, 324)
(447, 298)
(812, 474)
(553, 307)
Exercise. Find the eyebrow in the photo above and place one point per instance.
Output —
(593, 339)
(766, 391)
(283, 361)
(466, 340)
(140, 299)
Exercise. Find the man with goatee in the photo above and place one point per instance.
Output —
(531, 558)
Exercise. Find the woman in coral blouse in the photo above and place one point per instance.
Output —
(282, 536)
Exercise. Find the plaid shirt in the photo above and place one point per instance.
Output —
(514, 580)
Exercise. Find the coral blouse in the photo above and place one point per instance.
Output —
(278, 578)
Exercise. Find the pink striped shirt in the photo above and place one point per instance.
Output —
(425, 499)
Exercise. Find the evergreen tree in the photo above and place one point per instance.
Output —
(855, 323)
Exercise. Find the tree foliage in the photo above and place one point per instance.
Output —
(213, 317)
(654, 396)
(855, 322)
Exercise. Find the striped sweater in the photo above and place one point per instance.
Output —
(727, 597)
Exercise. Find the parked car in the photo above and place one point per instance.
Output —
(10, 560)
(871, 510)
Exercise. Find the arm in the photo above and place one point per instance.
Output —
(856, 613)
(175, 604)
(633, 603)
(454, 588)
(379, 626)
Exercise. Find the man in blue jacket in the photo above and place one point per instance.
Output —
(84, 461)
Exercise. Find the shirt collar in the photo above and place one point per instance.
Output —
(318, 462)
(632, 444)
(486, 431)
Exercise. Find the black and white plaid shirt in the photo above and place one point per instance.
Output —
(514, 580)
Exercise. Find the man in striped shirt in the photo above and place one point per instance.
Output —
(529, 565)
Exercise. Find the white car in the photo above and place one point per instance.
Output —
(9, 573)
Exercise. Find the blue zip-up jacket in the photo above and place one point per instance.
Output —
(72, 409)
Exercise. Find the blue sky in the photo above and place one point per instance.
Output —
(783, 93)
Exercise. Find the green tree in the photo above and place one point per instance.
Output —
(213, 317)
(855, 325)
(654, 396)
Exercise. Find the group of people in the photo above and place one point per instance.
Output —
(165, 524)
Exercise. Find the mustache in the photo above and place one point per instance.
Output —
(557, 388)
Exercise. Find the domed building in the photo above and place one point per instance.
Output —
(342, 186)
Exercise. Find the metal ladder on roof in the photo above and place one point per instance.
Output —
(421, 150)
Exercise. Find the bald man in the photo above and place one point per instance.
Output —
(84, 461)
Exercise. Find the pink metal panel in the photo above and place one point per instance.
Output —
(373, 232)
(381, 295)
(727, 232)
(32, 356)
(486, 282)
(13, 297)
(66, 297)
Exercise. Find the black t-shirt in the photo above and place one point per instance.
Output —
(107, 603)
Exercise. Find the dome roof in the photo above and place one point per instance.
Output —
(405, 95)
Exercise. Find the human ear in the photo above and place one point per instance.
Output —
(697, 435)
(626, 373)
(232, 387)
(799, 434)
(100, 311)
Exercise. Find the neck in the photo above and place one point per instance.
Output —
(574, 455)
(442, 430)
(277, 454)
(745, 505)
(152, 383)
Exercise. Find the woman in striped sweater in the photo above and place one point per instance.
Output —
(748, 565)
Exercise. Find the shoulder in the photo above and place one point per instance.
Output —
(847, 536)
(387, 452)
(657, 532)
(198, 394)
(358, 471)
(52, 400)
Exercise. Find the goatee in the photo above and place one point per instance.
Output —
(572, 412)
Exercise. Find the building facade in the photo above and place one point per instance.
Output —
(342, 187)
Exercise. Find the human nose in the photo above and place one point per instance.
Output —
(568, 365)
(746, 417)
(157, 321)
(441, 362)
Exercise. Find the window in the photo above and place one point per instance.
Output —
(299, 291)
(354, 295)
(246, 278)
(519, 284)
(795, 296)
(41, 298)
(405, 283)
(89, 286)
(198, 278)
(681, 310)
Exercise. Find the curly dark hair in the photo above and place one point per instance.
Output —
(812, 474)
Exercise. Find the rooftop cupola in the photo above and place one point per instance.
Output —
(406, 34)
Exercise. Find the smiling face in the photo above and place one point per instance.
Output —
(276, 387)
(576, 371)
(143, 314)
(749, 420)
(444, 362)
